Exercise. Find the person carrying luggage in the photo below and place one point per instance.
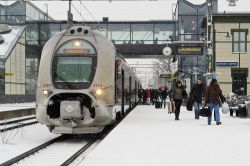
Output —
(212, 99)
(177, 94)
(197, 92)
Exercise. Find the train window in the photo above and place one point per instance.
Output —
(77, 47)
(70, 69)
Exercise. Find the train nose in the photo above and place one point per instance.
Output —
(70, 106)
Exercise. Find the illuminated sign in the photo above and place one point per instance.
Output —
(76, 51)
(189, 50)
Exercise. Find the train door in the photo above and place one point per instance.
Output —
(123, 89)
(239, 80)
(130, 92)
(135, 91)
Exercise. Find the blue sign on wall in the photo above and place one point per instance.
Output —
(226, 63)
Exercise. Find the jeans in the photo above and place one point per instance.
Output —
(197, 106)
(163, 102)
(215, 107)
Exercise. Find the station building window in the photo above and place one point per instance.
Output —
(239, 40)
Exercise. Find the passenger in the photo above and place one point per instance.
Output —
(198, 91)
(156, 95)
(152, 96)
(177, 96)
(144, 97)
(164, 93)
(212, 99)
(140, 95)
(148, 96)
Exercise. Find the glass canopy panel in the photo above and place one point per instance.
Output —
(119, 33)
(142, 33)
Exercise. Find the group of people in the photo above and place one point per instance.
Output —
(211, 95)
(151, 96)
(212, 98)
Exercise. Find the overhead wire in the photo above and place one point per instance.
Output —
(78, 11)
(88, 11)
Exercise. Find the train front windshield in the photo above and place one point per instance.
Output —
(73, 69)
(74, 65)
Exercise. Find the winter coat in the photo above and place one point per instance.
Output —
(214, 94)
(164, 93)
(148, 93)
(197, 92)
(176, 92)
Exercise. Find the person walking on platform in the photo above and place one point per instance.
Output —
(148, 96)
(212, 99)
(164, 93)
(177, 93)
(156, 95)
(140, 95)
(197, 92)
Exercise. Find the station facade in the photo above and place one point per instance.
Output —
(231, 56)
(18, 70)
(186, 31)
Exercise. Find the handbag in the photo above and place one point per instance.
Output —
(171, 106)
(205, 112)
(184, 93)
(190, 104)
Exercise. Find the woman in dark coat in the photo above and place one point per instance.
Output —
(213, 97)
(177, 96)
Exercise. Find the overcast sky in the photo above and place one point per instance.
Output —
(128, 10)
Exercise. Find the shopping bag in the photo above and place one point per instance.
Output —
(190, 104)
(171, 106)
(205, 112)
(225, 108)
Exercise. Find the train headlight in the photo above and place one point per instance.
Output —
(98, 92)
(77, 43)
(46, 92)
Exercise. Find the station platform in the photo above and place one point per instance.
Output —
(8, 111)
(151, 137)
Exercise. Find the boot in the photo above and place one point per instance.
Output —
(218, 123)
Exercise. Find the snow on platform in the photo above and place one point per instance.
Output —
(150, 137)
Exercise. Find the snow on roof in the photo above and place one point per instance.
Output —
(10, 40)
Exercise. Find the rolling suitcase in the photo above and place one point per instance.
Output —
(157, 104)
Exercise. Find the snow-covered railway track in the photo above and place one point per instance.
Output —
(30, 152)
(17, 120)
(16, 125)
(63, 150)
(59, 151)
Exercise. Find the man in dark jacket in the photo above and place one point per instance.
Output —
(198, 91)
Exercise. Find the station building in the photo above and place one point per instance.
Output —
(18, 68)
(231, 54)
(185, 31)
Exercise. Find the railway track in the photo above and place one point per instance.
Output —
(18, 123)
(60, 146)
(17, 120)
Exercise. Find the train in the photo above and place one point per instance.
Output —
(83, 84)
